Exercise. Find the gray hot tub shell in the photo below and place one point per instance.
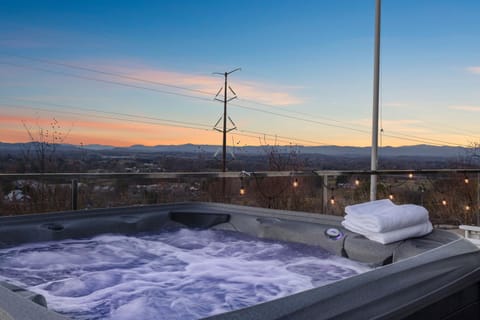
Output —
(433, 277)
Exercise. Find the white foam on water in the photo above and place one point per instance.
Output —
(183, 274)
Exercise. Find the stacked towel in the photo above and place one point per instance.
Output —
(385, 222)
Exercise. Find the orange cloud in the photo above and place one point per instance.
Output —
(109, 132)
(475, 70)
(272, 94)
(149, 136)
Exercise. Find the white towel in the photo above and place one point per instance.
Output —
(384, 216)
(417, 230)
(369, 207)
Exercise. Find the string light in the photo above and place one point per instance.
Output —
(295, 183)
(390, 196)
(410, 175)
(242, 188)
(466, 180)
(444, 202)
(332, 198)
(357, 182)
(467, 207)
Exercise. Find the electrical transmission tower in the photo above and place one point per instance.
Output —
(225, 100)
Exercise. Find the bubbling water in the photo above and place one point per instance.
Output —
(182, 274)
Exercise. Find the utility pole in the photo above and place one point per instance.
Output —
(225, 101)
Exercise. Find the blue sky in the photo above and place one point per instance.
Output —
(306, 78)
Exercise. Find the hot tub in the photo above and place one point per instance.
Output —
(433, 277)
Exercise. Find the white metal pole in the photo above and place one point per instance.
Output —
(376, 85)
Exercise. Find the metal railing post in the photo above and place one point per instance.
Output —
(478, 199)
(325, 193)
(74, 194)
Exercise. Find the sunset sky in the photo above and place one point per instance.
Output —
(141, 72)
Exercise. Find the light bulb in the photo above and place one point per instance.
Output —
(295, 183)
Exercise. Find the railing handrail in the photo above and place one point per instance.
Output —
(158, 175)
(77, 178)
(232, 174)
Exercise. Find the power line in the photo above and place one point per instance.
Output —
(398, 135)
(174, 123)
(283, 138)
(105, 81)
(156, 122)
(48, 61)
(415, 139)
(109, 73)
(289, 111)
(182, 95)
(150, 120)
(111, 112)
(404, 136)
(299, 119)
(455, 131)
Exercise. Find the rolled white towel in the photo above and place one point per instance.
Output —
(389, 218)
(418, 230)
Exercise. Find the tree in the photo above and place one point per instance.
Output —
(40, 153)
(279, 192)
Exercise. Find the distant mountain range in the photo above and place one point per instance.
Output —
(406, 151)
